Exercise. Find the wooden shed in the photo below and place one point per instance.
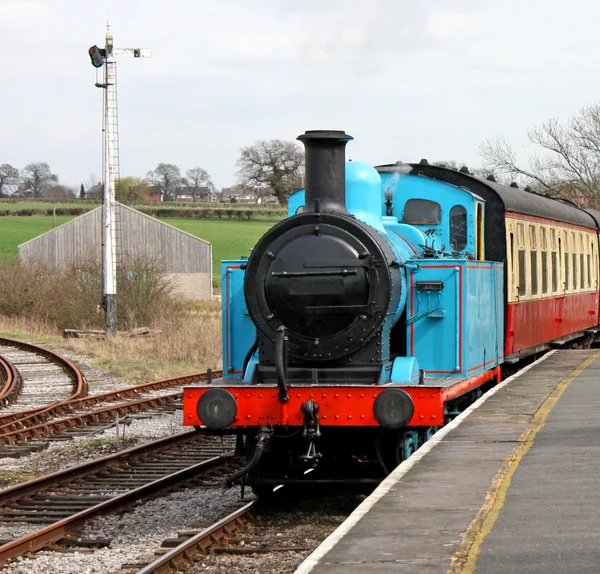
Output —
(184, 257)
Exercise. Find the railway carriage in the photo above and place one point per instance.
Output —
(388, 300)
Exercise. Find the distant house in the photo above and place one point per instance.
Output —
(184, 195)
(240, 194)
(153, 195)
(186, 259)
(204, 194)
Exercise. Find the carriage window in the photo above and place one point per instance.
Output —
(458, 228)
(418, 211)
(532, 237)
(534, 275)
(522, 281)
(554, 272)
(520, 234)
(593, 271)
(575, 275)
(581, 272)
(512, 258)
(589, 270)
(567, 271)
(544, 272)
(544, 238)
(553, 238)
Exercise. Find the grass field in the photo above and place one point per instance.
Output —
(17, 230)
(230, 239)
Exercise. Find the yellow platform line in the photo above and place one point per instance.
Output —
(464, 560)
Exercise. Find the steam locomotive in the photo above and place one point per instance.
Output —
(389, 299)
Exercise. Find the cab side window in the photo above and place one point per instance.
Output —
(458, 228)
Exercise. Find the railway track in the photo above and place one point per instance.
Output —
(30, 374)
(63, 501)
(263, 536)
(61, 419)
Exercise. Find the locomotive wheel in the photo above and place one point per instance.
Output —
(390, 449)
(271, 466)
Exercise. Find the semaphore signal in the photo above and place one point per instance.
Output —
(106, 57)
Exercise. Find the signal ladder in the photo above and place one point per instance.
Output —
(112, 126)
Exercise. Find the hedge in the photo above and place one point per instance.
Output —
(58, 211)
(211, 213)
(162, 212)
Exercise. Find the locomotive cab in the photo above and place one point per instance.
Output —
(451, 218)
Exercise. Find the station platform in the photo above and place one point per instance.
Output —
(511, 485)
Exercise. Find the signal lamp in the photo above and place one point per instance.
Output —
(97, 55)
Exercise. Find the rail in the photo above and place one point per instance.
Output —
(58, 529)
(105, 414)
(185, 552)
(11, 381)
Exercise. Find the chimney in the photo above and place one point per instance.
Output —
(325, 175)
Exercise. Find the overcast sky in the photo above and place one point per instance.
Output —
(407, 78)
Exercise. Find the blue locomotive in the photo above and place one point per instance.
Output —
(358, 325)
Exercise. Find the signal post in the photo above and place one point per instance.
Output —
(106, 57)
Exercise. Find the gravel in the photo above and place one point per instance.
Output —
(41, 379)
(135, 533)
(98, 381)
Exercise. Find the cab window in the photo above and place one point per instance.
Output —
(458, 228)
(419, 211)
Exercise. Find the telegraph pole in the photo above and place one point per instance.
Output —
(110, 151)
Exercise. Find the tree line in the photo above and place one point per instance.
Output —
(273, 167)
(565, 163)
(35, 179)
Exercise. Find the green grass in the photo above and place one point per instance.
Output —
(17, 230)
(230, 239)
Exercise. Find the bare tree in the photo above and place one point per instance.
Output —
(37, 178)
(167, 178)
(9, 177)
(197, 178)
(273, 165)
(566, 160)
